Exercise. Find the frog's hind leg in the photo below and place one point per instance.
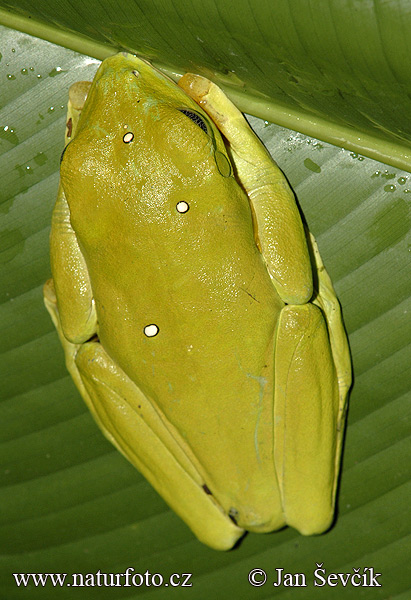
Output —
(77, 313)
(129, 420)
(305, 419)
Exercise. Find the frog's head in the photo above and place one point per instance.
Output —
(136, 126)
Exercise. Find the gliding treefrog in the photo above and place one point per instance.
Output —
(183, 295)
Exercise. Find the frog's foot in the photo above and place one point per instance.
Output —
(326, 299)
(127, 416)
(305, 419)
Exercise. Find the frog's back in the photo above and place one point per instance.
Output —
(190, 317)
(184, 302)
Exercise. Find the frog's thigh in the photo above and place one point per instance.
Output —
(305, 417)
(128, 417)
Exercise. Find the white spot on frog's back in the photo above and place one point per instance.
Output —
(128, 137)
(182, 207)
(151, 330)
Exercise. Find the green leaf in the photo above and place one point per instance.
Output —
(69, 502)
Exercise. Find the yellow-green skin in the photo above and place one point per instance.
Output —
(234, 410)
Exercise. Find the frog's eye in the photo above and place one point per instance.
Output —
(195, 118)
(62, 154)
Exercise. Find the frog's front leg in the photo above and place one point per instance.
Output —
(71, 281)
(70, 276)
(129, 420)
(278, 226)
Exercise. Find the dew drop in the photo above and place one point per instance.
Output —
(55, 71)
(40, 159)
(312, 166)
(8, 133)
